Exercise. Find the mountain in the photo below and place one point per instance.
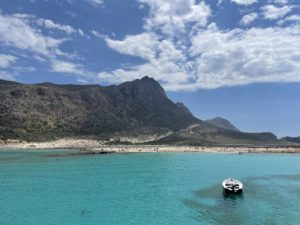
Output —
(48, 111)
(206, 134)
(222, 123)
(141, 107)
(291, 139)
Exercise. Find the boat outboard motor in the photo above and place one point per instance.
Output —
(234, 187)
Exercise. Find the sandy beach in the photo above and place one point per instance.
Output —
(94, 146)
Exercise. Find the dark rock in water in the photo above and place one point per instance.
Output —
(77, 153)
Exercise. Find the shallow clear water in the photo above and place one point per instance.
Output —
(147, 188)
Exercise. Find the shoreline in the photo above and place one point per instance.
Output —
(86, 146)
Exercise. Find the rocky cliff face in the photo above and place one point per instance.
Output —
(43, 111)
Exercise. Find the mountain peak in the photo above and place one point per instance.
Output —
(146, 88)
(222, 123)
(147, 78)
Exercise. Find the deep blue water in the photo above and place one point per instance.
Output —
(147, 188)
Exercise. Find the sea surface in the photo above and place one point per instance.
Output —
(50, 188)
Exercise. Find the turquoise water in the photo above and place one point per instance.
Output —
(147, 188)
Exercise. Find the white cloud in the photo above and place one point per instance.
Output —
(293, 18)
(179, 47)
(81, 33)
(163, 58)
(51, 25)
(97, 34)
(16, 31)
(205, 57)
(61, 66)
(244, 2)
(67, 29)
(64, 67)
(172, 16)
(272, 12)
(6, 60)
(166, 59)
(21, 32)
(280, 2)
(249, 18)
(95, 3)
(289, 19)
(7, 76)
(131, 45)
(241, 57)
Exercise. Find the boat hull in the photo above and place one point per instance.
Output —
(232, 186)
(228, 191)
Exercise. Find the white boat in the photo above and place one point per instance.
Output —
(232, 185)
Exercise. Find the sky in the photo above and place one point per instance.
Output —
(238, 59)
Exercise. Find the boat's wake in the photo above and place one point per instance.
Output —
(262, 195)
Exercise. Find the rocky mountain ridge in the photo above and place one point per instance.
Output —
(291, 139)
(49, 111)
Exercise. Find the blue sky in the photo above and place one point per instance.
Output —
(238, 59)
